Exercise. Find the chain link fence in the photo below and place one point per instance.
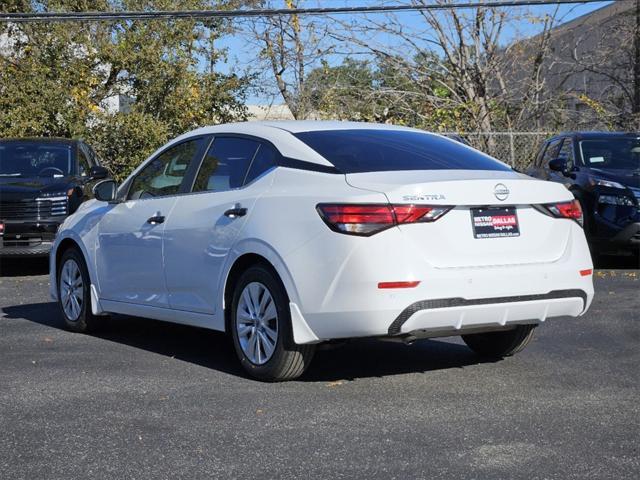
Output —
(518, 149)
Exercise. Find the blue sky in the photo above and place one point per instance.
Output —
(242, 54)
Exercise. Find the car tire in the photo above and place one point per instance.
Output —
(74, 292)
(500, 344)
(262, 334)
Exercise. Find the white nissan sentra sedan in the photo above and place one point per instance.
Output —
(290, 234)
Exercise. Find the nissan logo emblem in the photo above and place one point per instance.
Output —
(501, 192)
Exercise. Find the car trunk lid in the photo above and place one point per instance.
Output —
(453, 241)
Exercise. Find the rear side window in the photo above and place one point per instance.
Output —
(265, 158)
(226, 164)
(355, 151)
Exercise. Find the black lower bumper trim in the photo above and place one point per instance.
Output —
(395, 327)
(41, 250)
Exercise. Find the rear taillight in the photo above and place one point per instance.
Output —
(571, 210)
(365, 220)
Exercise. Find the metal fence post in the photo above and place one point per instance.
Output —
(512, 151)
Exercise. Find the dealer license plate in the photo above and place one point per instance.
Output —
(492, 222)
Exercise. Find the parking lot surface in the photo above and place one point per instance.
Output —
(144, 399)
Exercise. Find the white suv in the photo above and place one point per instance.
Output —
(286, 235)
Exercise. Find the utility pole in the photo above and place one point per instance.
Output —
(636, 64)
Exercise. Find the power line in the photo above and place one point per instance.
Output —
(207, 14)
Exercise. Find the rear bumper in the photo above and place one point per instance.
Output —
(345, 301)
(453, 316)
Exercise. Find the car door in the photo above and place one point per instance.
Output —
(204, 225)
(129, 257)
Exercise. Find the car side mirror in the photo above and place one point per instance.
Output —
(558, 165)
(105, 191)
(98, 173)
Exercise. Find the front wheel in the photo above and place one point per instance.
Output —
(260, 325)
(74, 297)
(500, 344)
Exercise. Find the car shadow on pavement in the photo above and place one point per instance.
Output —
(22, 267)
(210, 349)
(364, 358)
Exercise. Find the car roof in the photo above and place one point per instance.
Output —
(297, 126)
(587, 135)
(280, 133)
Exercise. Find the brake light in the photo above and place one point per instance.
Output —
(571, 210)
(365, 220)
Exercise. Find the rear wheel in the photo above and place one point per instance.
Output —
(260, 325)
(74, 294)
(500, 344)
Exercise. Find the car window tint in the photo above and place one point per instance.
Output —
(36, 159)
(83, 163)
(375, 150)
(164, 174)
(551, 152)
(566, 151)
(225, 165)
(265, 158)
(538, 160)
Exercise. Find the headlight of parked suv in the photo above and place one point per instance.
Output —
(600, 182)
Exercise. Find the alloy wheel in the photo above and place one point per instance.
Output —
(257, 323)
(71, 290)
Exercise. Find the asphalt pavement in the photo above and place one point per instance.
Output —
(149, 400)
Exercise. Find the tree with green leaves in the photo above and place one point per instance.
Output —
(57, 79)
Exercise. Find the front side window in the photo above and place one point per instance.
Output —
(83, 163)
(567, 152)
(377, 150)
(164, 174)
(226, 164)
(551, 153)
(35, 159)
(616, 153)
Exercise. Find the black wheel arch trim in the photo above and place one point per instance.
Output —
(396, 326)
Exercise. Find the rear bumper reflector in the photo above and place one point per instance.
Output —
(399, 284)
(586, 273)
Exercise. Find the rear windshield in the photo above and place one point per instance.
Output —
(356, 151)
(35, 159)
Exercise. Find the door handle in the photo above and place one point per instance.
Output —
(236, 212)
(156, 220)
